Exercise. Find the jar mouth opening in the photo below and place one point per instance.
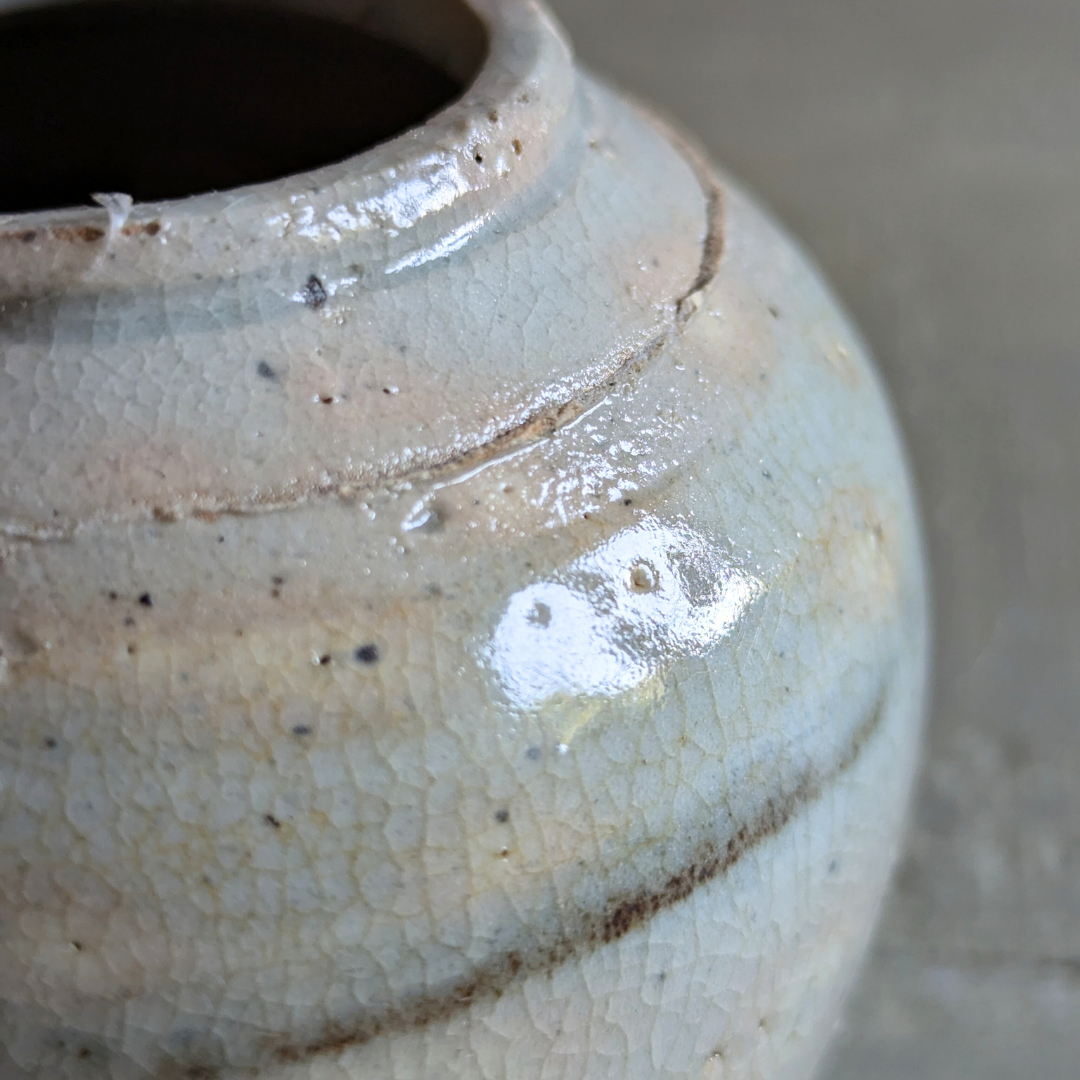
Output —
(512, 67)
(164, 99)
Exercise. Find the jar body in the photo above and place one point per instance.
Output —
(582, 751)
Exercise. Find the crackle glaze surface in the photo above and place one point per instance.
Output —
(456, 622)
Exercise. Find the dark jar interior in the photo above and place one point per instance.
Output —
(160, 100)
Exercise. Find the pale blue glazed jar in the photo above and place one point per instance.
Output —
(462, 610)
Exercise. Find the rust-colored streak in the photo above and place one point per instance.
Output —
(77, 234)
(20, 236)
(593, 929)
(146, 228)
(85, 234)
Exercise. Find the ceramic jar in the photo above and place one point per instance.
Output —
(462, 611)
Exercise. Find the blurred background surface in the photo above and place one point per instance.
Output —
(927, 152)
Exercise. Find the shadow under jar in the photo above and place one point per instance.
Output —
(462, 611)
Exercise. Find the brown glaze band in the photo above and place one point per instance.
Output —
(621, 914)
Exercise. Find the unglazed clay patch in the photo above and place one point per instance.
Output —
(461, 610)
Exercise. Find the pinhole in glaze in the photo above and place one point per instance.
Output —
(461, 608)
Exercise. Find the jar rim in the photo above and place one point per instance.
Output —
(520, 94)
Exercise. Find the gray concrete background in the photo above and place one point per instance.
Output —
(927, 152)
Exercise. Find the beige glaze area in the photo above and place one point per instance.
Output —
(582, 761)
